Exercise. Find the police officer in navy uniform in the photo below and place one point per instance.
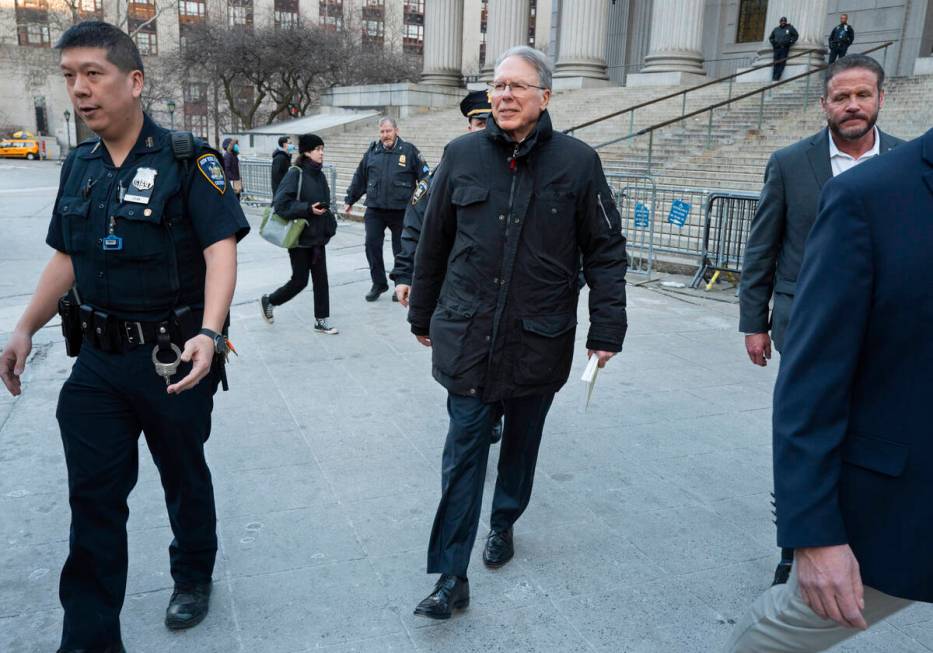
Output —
(387, 174)
(144, 229)
(476, 108)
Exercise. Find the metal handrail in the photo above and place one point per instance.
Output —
(710, 108)
(684, 92)
(727, 78)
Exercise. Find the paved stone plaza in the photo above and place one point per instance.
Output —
(649, 529)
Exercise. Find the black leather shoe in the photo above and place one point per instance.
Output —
(781, 573)
(111, 648)
(499, 548)
(450, 593)
(374, 292)
(496, 433)
(188, 606)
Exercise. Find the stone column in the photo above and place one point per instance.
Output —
(675, 51)
(443, 42)
(584, 34)
(506, 27)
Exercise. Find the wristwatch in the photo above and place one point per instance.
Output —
(220, 342)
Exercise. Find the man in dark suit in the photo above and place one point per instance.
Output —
(793, 179)
(853, 455)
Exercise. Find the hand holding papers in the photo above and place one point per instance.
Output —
(589, 378)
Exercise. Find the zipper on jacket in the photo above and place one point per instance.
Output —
(599, 199)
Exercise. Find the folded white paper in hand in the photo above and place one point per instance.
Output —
(589, 378)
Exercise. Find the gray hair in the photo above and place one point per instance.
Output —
(390, 120)
(536, 58)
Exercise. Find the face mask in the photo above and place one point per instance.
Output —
(291, 149)
(236, 149)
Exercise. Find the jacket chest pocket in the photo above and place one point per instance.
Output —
(76, 226)
(470, 201)
(142, 230)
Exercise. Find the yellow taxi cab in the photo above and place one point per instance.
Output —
(22, 146)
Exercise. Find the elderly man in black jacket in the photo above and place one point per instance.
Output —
(495, 295)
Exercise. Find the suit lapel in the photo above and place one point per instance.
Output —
(819, 158)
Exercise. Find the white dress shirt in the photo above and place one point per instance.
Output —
(842, 161)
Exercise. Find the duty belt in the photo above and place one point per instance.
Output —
(113, 335)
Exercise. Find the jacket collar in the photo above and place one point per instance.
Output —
(395, 147)
(542, 132)
(150, 139)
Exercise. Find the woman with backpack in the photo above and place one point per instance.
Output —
(305, 194)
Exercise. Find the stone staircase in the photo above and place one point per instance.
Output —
(729, 153)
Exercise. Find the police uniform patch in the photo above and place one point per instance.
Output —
(420, 191)
(210, 167)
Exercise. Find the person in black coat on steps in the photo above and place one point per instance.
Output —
(281, 162)
(308, 257)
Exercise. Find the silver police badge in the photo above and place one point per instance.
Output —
(141, 187)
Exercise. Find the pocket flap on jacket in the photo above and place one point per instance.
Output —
(73, 205)
(786, 287)
(465, 195)
(550, 326)
(882, 456)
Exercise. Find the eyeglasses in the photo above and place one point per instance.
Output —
(517, 88)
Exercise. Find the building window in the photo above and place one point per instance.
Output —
(195, 108)
(413, 27)
(32, 23)
(190, 13)
(90, 9)
(751, 23)
(140, 18)
(330, 13)
(240, 13)
(285, 14)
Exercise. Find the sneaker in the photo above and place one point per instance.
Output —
(266, 309)
(323, 326)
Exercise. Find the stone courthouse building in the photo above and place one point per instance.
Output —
(593, 42)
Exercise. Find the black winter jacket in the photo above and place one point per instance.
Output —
(783, 37)
(496, 269)
(281, 160)
(314, 188)
(387, 177)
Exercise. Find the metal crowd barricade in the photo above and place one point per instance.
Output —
(635, 199)
(728, 221)
(678, 221)
(256, 174)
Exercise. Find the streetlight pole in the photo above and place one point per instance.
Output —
(68, 130)
(171, 113)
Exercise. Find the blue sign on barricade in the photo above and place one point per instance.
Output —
(642, 215)
(680, 210)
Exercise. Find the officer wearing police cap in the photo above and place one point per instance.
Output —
(476, 109)
(144, 228)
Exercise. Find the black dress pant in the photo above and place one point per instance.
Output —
(305, 261)
(837, 52)
(103, 406)
(376, 221)
(780, 53)
(464, 472)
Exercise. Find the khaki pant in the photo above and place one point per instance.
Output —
(779, 621)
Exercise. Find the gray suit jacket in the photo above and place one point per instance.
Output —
(786, 211)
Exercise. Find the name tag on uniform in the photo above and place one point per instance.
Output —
(112, 243)
(140, 189)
